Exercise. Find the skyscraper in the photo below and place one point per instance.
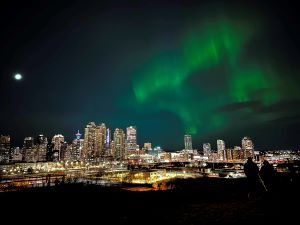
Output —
(77, 146)
(131, 140)
(102, 128)
(58, 140)
(237, 153)
(221, 150)
(247, 147)
(41, 145)
(188, 142)
(94, 141)
(58, 147)
(206, 149)
(4, 148)
(107, 138)
(119, 144)
(29, 150)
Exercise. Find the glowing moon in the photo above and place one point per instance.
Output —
(18, 76)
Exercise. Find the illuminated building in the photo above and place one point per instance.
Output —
(41, 145)
(188, 148)
(77, 146)
(165, 157)
(68, 152)
(108, 144)
(131, 139)
(221, 150)
(49, 153)
(102, 128)
(107, 138)
(4, 148)
(57, 141)
(188, 142)
(112, 149)
(206, 149)
(119, 144)
(58, 147)
(16, 155)
(29, 150)
(94, 141)
(237, 153)
(214, 156)
(247, 147)
(229, 154)
(147, 146)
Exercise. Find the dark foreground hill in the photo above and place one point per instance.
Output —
(193, 201)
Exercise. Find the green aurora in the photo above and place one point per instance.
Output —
(171, 81)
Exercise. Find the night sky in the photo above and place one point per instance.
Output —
(208, 68)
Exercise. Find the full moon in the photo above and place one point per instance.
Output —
(18, 76)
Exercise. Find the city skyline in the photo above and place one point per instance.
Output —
(205, 68)
(216, 145)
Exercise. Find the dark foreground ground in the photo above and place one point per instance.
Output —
(195, 201)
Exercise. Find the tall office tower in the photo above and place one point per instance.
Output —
(94, 141)
(229, 154)
(16, 155)
(102, 128)
(58, 140)
(119, 144)
(237, 153)
(4, 148)
(131, 143)
(221, 150)
(63, 151)
(58, 147)
(206, 149)
(41, 145)
(77, 147)
(188, 142)
(29, 150)
(108, 138)
(49, 153)
(247, 147)
(67, 153)
(113, 149)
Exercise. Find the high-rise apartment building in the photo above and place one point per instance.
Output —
(119, 144)
(77, 147)
(94, 141)
(58, 147)
(29, 150)
(4, 148)
(41, 146)
(206, 149)
(247, 147)
(237, 153)
(131, 139)
(221, 150)
(188, 142)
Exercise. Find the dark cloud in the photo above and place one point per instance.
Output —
(240, 105)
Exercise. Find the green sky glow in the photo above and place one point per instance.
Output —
(163, 82)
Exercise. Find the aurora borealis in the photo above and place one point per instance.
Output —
(207, 68)
(217, 44)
